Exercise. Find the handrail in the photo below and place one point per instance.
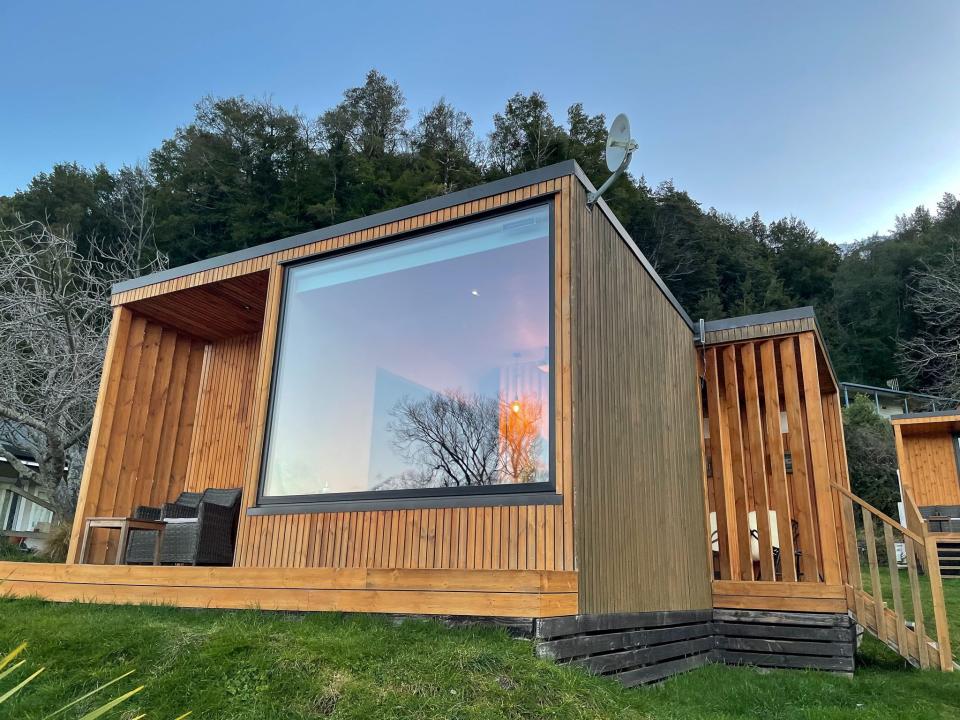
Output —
(871, 610)
(913, 512)
(879, 513)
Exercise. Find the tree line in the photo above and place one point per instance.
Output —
(248, 171)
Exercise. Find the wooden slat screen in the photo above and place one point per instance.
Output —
(751, 387)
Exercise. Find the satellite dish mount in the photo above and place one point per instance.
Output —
(620, 147)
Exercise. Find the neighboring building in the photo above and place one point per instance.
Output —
(25, 514)
(928, 453)
(896, 402)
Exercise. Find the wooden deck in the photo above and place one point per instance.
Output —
(779, 596)
(494, 593)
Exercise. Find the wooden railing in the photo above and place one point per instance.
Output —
(906, 633)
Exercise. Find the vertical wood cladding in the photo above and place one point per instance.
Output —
(143, 428)
(222, 433)
(509, 537)
(928, 462)
(639, 510)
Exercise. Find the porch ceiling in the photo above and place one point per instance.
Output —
(214, 311)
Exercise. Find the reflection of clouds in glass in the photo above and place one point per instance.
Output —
(351, 349)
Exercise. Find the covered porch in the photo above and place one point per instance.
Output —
(787, 535)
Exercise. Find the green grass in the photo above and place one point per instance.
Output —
(270, 665)
(951, 600)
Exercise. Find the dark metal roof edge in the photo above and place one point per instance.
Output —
(931, 414)
(800, 313)
(441, 202)
(622, 231)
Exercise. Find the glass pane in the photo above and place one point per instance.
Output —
(419, 364)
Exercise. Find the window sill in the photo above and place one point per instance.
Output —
(414, 503)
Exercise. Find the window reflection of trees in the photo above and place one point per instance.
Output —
(455, 439)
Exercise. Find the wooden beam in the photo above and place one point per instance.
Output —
(919, 622)
(796, 438)
(732, 398)
(779, 493)
(939, 608)
(869, 536)
(100, 429)
(516, 593)
(895, 588)
(724, 492)
(820, 466)
(754, 432)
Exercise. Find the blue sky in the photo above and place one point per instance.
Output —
(842, 113)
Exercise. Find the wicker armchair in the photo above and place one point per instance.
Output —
(141, 544)
(207, 538)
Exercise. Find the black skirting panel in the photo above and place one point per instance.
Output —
(819, 641)
(639, 648)
(635, 648)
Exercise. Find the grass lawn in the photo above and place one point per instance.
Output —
(951, 599)
(270, 665)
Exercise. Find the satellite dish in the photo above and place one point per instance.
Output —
(618, 140)
(620, 147)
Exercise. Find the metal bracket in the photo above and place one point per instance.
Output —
(630, 146)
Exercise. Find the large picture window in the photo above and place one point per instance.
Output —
(417, 367)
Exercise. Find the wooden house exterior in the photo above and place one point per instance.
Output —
(665, 493)
(928, 455)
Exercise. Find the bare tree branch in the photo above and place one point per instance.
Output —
(54, 323)
(932, 356)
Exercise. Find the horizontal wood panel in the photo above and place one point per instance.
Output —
(789, 604)
(325, 578)
(778, 589)
(501, 593)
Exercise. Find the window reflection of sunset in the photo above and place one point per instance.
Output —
(473, 321)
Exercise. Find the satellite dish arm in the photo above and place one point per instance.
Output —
(594, 196)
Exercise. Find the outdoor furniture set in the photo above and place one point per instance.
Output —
(196, 529)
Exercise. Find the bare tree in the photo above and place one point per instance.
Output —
(933, 354)
(54, 322)
(457, 440)
(520, 440)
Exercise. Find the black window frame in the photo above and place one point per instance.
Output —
(509, 494)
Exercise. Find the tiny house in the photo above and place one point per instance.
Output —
(484, 404)
(928, 454)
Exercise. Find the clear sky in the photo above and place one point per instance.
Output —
(843, 113)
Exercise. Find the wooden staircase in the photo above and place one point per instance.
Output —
(902, 605)
(948, 552)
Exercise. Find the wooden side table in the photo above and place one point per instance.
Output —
(124, 525)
